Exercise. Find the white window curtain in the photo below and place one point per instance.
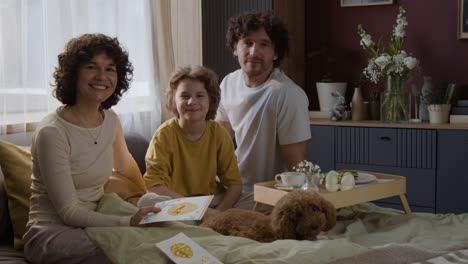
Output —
(178, 33)
(34, 32)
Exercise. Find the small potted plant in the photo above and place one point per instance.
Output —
(325, 58)
(438, 104)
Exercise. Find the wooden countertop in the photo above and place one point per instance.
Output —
(369, 123)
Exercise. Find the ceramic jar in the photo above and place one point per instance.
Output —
(357, 105)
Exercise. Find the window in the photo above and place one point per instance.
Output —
(33, 33)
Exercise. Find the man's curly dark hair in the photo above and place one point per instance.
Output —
(81, 50)
(241, 25)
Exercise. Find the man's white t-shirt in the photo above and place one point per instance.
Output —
(263, 118)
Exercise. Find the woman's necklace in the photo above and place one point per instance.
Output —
(95, 139)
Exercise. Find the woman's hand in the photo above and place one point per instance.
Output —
(138, 216)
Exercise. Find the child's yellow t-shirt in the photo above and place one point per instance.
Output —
(190, 167)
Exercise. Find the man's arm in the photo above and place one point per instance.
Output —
(228, 127)
(293, 153)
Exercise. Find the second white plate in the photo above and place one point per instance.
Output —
(365, 178)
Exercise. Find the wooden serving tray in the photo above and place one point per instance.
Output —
(265, 193)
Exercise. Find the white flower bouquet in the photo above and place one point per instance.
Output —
(390, 61)
(307, 167)
(313, 174)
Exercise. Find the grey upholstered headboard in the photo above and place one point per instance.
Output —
(137, 146)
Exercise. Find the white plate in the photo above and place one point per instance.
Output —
(365, 178)
(280, 186)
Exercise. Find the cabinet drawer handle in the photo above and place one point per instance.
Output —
(385, 138)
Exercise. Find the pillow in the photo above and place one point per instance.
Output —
(16, 166)
(6, 231)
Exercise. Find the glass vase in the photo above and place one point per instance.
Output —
(395, 104)
(312, 181)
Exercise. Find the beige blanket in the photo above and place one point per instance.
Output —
(375, 231)
(408, 254)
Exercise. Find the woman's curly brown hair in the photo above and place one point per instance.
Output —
(81, 50)
(240, 26)
(197, 73)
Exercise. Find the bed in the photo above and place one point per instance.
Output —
(374, 235)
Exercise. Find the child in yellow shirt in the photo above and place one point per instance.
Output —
(190, 151)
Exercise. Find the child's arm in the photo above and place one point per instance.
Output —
(228, 171)
(230, 198)
(158, 164)
(164, 190)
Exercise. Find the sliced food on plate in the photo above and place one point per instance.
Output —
(359, 177)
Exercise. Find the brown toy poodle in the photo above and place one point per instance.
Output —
(300, 215)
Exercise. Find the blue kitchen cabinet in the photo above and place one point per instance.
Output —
(321, 147)
(452, 171)
(400, 151)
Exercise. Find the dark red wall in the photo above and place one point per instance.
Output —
(431, 38)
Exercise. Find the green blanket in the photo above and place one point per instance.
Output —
(372, 228)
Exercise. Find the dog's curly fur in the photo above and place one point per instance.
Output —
(299, 215)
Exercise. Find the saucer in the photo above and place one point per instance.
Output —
(280, 186)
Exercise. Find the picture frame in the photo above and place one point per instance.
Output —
(351, 3)
(462, 19)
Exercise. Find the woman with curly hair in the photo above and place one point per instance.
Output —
(76, 149)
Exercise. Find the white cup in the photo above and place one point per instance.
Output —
(290, 178)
